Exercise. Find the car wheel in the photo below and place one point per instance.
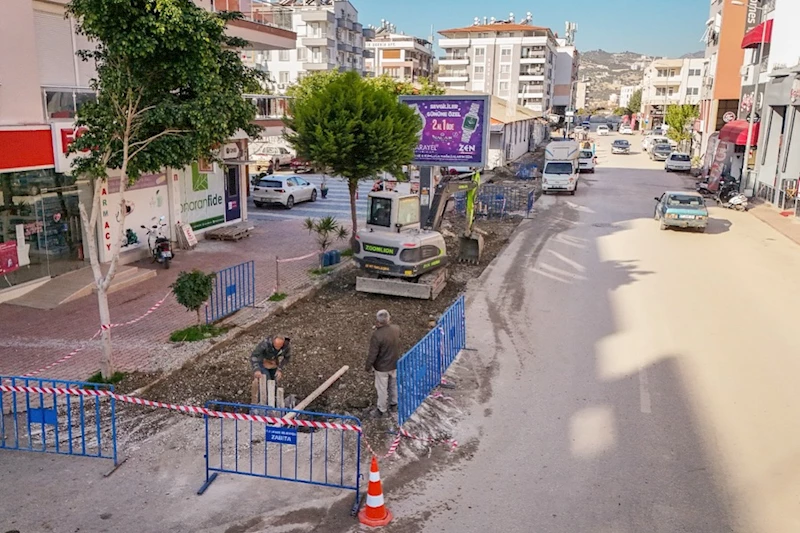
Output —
(314, 195)
(258, 204)
(290, 202)
(662, 226)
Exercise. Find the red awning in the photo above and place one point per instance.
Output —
(754, 37)
(736, 132)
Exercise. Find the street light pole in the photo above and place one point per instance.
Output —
(751, 119)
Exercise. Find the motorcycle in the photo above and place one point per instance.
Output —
(702, 187)
(159, 245)
(737, 201)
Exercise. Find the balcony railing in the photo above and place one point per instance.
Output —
(453, 73)
(258, 11)
(269, 106)
(454, 57)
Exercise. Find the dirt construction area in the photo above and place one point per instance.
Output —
(155, 488)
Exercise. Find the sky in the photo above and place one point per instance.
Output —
(668, 28)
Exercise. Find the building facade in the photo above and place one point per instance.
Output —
(566, 75)
(581, 94)
(626, 93)
(513, 61)
(668, 82)
(397, 55)
(719, 99)
(329, 37)
(43, 86)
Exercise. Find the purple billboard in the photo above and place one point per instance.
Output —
(455, 130)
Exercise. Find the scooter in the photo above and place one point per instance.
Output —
(159, 245)
(737, 201)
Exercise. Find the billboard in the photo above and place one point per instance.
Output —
(455, 130)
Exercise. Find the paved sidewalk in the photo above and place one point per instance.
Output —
(33, 338)
(767, 213)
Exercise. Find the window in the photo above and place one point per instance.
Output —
(480, 55)
(480, 72)
(283, 77)
(505, 55)
(503, 86)
(302, 54)
(408, 211)
(505, 69)
(283, 55)
(65, 103)
(380, 212)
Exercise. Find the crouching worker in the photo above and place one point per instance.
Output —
(270, 356)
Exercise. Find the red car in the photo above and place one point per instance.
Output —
(301, 165)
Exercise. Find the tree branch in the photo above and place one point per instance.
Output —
(144, 144)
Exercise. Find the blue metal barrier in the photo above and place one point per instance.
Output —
(420, 370)
(54, 423)
(531, 200)
(325, 457)
(494, 200)
(234, 288)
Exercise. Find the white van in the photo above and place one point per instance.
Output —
(586, 161)
(561, 166)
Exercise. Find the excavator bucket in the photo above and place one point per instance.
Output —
(470, 248)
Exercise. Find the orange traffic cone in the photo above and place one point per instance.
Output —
(375, 513)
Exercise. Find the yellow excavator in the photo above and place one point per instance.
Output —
(400, 255)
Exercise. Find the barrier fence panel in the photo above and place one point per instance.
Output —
(328, 455)
(420, 370)
(234, 288)
(495, 200)
(58, 423)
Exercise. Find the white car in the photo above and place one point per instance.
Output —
(283, 190)
(625, 130)
(602, 129)
(678, 162)
(586, 161)
(578, 129)
(652, 140)
(280, 156)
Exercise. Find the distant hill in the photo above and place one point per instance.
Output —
(694, 55)
(608, 71)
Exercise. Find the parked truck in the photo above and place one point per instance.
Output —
(561, 166)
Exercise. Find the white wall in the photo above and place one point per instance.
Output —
(785, 46)
(20, 95)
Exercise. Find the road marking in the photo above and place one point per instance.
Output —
(644, 392)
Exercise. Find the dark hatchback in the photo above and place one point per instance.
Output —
(620, 146)
(660, 152)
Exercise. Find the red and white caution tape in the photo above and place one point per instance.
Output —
(392, 448)
(150, 311)
(187, 409)
(291, 259)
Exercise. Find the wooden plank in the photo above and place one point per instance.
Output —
(280, 402)
(271, 393)
(254, 392)
(319, 390)
(262, 387)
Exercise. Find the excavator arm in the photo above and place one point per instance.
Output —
(470, 243)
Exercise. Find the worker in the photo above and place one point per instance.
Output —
(384, 351)
(270, 356)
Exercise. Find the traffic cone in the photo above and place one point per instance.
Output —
(375, 513)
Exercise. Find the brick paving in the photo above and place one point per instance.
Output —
(34, 338)
(788, 226)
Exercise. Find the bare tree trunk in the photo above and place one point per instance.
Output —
(106, 359)
(198, 317)
(352, 185)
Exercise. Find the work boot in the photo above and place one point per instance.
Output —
(377, 413)
(393, 408)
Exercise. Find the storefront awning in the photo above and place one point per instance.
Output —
(754, 37)
(736, 132)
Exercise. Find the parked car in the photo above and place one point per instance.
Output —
(651, 140)
(283, 190)
(280, 156)
(660, 152)
(602, 129)
(678, 162)
(625, 129)
(682, 210)
(301, 165)
(586, 161)
(620, 146)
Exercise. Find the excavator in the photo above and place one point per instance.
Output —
(401, 256)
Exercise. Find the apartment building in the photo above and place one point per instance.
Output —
(721, 87)
(581, 94)
(626, 93)
(669, 82)
(566, 72)
(512, 60)
(397, 55)
(43, 85)
(329, 37)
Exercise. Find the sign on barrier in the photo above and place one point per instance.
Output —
(56, 423)
(234, 288)
(420, 370)
(328, 454)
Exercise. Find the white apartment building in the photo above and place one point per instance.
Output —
(329, 37)
(397, 55)
(626, 93)
(513, 61)
(566, 73)
(670, 82)
(43, 85)
(581, 95)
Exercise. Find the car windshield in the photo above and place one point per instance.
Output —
(408, 211)
(558, 168)
(585, 154)
(685, 200)
(380, 212)
(680, 157)
(623, 144)
(270, 183)
(662, 148)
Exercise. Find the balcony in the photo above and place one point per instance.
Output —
(531, 91)
(674, 81)
(266, 26)
(344, 47)
(454, 43)
(321, 39)
(533, 59)
(318, 65)
(531, 75)
(346, 23)
(454, 76)
(317, 15)
(454, 59)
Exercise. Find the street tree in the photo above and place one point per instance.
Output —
(169, 89)
(679, 118)
(635, 103)
(317, 80)
(354, 129)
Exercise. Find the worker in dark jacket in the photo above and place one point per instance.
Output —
(384, 351)
(270, 356)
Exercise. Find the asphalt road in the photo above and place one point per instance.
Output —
(642, 381)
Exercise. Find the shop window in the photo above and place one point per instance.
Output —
(65, 103)
(788, 139)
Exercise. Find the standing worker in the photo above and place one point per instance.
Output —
(384, 351)
(270, 356)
